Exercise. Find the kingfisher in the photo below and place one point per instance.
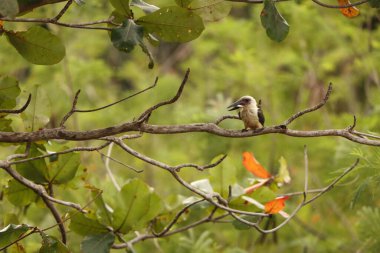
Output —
(250, 112)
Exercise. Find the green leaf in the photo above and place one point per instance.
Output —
(223, 176)
(37, 45)
(173, 24)
(5, 125)
(183, 3)
(18, 194)
(51, 244)
(121, 6)
(210, 10)
(37, 115)
(33, 170)
(238, 225)
(276, 26)
(374, 3)
(126, 37)
(8, 8)
(103, 210)
(64, 170)
(9, 91)
(147, 8)
(137, 205)
(11, 233)
(100, 243)
(85, 225)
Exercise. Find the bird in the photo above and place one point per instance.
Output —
(250, 112)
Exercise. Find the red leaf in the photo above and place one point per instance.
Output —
(349, 12)
(275, 205)
(253, 166)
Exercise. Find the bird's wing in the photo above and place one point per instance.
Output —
(239, 115)
(261, 116)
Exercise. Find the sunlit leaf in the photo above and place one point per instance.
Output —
(33, 170)
(121, 6)
(86, 225)
(349, 12)
(275, 205)
(283, 176)
(275, 25)
(18, 194)
(100, 243)
(173, 24)
(147, 8)
(8, 8)
(210, 10)
(37, 45)
(136, 207)
(256, 186)
(11, 232)
(51, 244)
(203, 185)
(9, 91)
(253, 166)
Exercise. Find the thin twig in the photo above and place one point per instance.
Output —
(72, 111)
(145, 114)
(218, 121)
(121, 100)
(314, 108)
(16, 111)
(64, 9)
(199, 167)
(339, 6)
(19, 156)
(119, 162)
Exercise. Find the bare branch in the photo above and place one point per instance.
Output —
(16, 111)
(339, 6)
(72, 111)
(351, 128)
(198, 167)
(64, 9)
(314, 108)
(119, 162)
(218, 121)
(57, 218)
(333, 183)
(121, 100)
(146, 114)
(24, 155)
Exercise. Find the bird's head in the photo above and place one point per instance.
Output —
(242, 102)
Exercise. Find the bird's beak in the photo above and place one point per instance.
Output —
(235, 105)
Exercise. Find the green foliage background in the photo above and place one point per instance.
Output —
(233, 57)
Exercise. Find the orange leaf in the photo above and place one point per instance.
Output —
(253, 166)
(1, 24)
(349, 12)
(276, 205)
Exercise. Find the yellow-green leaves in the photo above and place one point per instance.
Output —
(100, 243)
(173, 24)
(275, 25)
(8, 8)
(121, 6)
(210, 10)
(51, 244)
(10, 233)
(37, 45)
(9, 91)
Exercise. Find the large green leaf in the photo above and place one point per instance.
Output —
(126, 37)
(38, 113)
(121, 6)
(10, 233)
(136, 207)
(37, 45)
(210, 10)
(223, 176)
(183, 3)
(18, 194)
(173, 24)
(86, 225)
(64, 169)
(275, 25)
(100, 243)
(5, 125)
(33, 170)
(51, 244)
(9, 91)
(105, 215)
(8, 8)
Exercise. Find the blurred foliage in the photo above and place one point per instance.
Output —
(231, 58)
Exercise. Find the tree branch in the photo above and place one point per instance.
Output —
(17, 111)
